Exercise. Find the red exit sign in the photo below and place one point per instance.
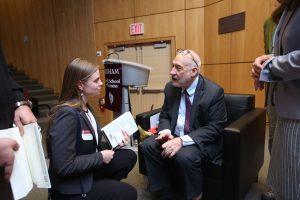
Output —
(136, 28)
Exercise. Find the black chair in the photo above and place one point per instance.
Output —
(243, 144)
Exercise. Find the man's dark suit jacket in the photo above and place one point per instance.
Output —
(73, 157)
(208, 114)
(11, 92)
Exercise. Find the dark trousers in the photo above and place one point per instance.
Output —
(107, 184)
(5, 189)
(185, 166)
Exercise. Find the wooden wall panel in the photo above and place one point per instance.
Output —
(6, 36)
(56, 31)
(109, 32)
(194, 3)
(242, 82)
(209, 2)
(195, 31)
(105, 10)
(13, 13)
(30, 43)
(74, 31)
(149, 101)
(146, 7)
(42, 44)
(164, 25)
(219, 74)
(248, 44)
(152, 101)
(59, 30)
(217, 47)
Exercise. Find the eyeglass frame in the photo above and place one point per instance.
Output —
(181, 51)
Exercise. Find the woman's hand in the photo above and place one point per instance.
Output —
(107, 155)
(125, 140)
(257, 67)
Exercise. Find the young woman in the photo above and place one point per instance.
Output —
(80, 167)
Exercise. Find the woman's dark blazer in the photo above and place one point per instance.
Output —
(73, 154)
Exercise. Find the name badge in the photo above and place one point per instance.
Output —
(86, 135)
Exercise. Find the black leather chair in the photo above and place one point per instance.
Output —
(243, 144)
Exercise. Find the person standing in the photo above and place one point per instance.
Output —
(190, 126)
(13, 110)
(269, 30)
(283, 68)
(80, 165)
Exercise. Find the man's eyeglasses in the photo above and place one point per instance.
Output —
(184, 52)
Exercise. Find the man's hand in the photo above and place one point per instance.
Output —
(7, 155)
(164, 136)
(23, 116)
(171, 147)
(107, 155)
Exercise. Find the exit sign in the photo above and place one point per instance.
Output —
(136, 28)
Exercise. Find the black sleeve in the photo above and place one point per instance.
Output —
(17, 91)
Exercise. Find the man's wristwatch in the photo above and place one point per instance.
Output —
(21, 103)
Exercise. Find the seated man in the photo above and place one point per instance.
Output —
(190, 126)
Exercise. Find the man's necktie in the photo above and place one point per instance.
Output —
(188, 107)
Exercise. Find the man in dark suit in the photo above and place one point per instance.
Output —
(190, 125)
(14, 110)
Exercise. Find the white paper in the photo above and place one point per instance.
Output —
(35, 155)
(29, 164)
(113, 130)
(20, 180)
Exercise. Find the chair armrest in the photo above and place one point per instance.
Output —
(243, 157)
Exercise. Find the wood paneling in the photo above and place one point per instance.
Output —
(42, 50)
(164, 25)
(146, 7)
(194, 3)
(242, 82)
(59, 30)
(219, 74)
(112, 31)
(29, 39)
(105, 10)
(209, 2)
(195, 31)
(74, 30)
(248, 44)
(148, 101)
(235, 78)
(217, 47)
(42, 36)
